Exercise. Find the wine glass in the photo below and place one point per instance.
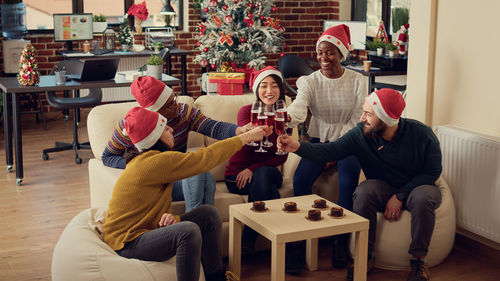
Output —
(254, 111)
(279, 127)
(269, 113)
(261, 116)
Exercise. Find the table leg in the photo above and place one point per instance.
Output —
(312, 254)
(169, 65)
(235, 227)
(7, 125)
(360, 255)
(277, 261)
(18, 139)
(184, 75)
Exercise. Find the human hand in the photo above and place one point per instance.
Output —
(393, 208)
(243, 178)
(243, 129)
(167, 219)
(268, 131)
(288, 143)
(329, 165)
(256, 134)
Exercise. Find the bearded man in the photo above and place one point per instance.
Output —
(401, 160)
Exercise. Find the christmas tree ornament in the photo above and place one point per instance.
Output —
(214, 66)
(213, 3)
(198, 43)
(251, 6)
(205, 49)
(203, 63)
(205, 10)
(243, 39)
(262, 18)
(235, 1)
(273, 9)
(228, 19)
(225, 7)
(28, 74)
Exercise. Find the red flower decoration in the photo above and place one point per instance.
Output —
(139, 10)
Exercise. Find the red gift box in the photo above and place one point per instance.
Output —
(228, 83)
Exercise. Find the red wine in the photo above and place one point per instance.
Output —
(282, 112)
(253, 118)
(262, 120)
(279, 125)
(270, 119)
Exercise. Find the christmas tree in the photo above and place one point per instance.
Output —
(29, 74)
(125, 37)
(238, 33)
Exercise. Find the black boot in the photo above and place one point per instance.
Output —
(341, 255)
(295, 257)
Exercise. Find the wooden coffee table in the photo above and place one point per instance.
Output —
(281, 227)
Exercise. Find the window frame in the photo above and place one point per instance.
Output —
(358, 12)
(77, 7)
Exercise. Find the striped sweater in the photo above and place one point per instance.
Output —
(189, 119)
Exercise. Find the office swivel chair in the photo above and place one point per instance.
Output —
(292, 66)
(92, 99)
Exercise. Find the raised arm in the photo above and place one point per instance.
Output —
(113, 153)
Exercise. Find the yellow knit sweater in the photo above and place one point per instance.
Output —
(143, 193)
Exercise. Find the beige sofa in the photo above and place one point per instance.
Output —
(103, 119)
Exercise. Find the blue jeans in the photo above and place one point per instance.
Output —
(263, 186)
(196, 190)
(308, 171)
(196, 237)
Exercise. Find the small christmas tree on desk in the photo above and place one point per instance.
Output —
(238, 32)
(29, 74)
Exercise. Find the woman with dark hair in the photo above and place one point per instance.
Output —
(139, 222)
(255, 173)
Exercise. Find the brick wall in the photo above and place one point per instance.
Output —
(303, 21)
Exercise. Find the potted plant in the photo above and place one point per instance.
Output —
(157, 46)
(390, 47)
(99, 23)
(373, 45)
(154, 66)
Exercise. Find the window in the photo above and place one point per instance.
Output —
(39, 13)
(394, 13)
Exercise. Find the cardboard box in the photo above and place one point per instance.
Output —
(228, 83)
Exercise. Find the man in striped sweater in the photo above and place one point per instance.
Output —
(154, 95)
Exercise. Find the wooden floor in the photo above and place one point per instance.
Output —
(34, 215)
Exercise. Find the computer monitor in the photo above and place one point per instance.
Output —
(356, 28)
(71, 27)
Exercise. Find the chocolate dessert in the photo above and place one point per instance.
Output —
(336, 212)
(314, 215)
(259, 206)
(290, 206)
(319, 203)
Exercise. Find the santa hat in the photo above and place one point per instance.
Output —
(388, 104)
(150, 92)
(144, 127)
(406, 26)
(257, 76)
(339, 36)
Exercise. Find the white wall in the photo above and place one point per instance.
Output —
(453, 73)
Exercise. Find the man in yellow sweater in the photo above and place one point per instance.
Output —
(139, 222)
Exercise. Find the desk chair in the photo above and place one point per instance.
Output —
(400, 88)
(292, 66)
(94, 98)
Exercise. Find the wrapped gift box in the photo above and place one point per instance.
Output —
(228, 83)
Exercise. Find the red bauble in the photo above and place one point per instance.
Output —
(273, 9)
(251, 5)
(250, 15)
(213, 66)
(282, 54)
(205, 10)
(203, 63)
(225, 7)
(205, 49)
(198, 44)
(235, 1)
(243, 40)
(228, 19)
(262, 18)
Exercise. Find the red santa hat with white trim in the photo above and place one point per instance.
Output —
(388, 104)
(144, 127)
(339, 36)
(257, 76)
(150, 92)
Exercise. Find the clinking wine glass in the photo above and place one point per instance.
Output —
(254, 111)
(269, 113)
(261, 116)
(280, 127)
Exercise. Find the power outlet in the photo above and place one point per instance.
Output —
(198, 81)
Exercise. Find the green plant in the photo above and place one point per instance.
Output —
(400, 16)
(157, 46)
(390, 47)
(125, 33)
(154, 60)
(372, 45)
(99, 18)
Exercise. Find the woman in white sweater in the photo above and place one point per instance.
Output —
(334, 95)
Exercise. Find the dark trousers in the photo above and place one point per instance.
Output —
(264, 184)
(371, 196)
(197, 237)
(308, 171)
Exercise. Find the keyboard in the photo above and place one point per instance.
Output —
(101, 51)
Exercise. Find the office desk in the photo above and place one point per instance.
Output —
(146, 53)
(374, 73)
(12, 120)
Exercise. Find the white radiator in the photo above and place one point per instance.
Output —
(471, 167)
(122, 93)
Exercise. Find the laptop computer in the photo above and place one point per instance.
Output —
(96, 69)
(101, 51)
